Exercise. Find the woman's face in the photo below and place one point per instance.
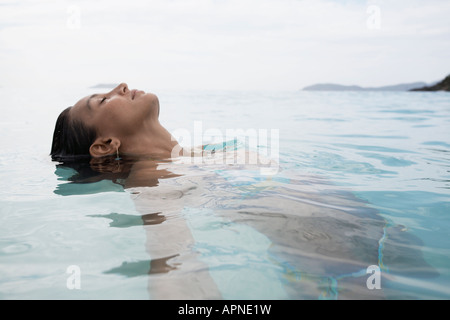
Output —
(120, 112)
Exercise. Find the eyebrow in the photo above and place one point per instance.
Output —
(88, 103)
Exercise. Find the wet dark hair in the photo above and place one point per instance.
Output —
(71, 139)
(70, 147)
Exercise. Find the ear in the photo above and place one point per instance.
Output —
(104, 147)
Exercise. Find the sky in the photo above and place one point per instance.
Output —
(223, 44)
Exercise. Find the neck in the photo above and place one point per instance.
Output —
(153, 140)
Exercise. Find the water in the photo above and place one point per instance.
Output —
(363, 180)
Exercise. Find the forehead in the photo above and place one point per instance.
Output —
(81, 108)
(81, 102)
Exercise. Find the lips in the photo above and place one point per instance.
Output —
(133, 94)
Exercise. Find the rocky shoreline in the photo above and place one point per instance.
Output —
(444, 85)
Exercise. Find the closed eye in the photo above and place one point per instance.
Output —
(101, 101)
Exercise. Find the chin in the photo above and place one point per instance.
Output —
(152, 102)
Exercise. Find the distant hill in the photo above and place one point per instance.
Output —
(338, 87)
(443, 85)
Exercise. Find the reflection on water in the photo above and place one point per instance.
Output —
(147, 267)
(126, 220)
(217, 231)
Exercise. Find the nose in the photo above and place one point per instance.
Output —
(121, 88)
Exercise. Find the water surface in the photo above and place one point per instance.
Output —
(363, 180)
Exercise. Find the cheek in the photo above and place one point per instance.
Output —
(111, 120)
(123, 119)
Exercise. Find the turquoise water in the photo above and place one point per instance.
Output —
(363, 180)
